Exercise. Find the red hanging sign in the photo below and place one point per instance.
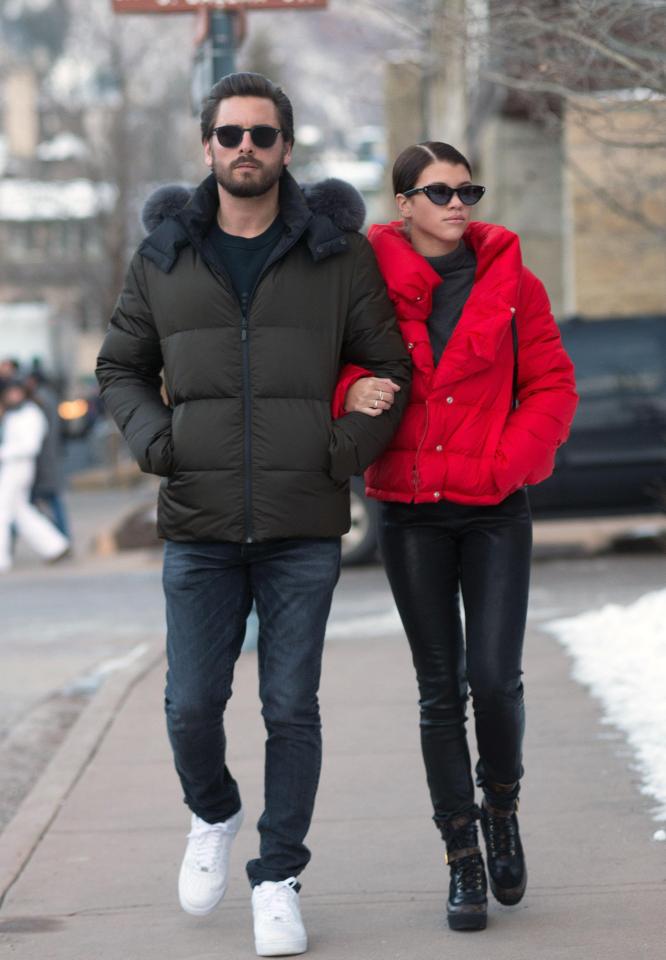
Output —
(191, 6)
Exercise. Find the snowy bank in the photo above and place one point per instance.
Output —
(620, 654)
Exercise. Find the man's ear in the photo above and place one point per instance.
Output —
(208, 152)
(286, 154)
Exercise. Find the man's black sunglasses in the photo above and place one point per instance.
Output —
(262, 136)
(441, 193)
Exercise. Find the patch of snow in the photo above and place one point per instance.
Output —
(630, 94)
(659, 835)
(23, 200)
(620, 654)
(66, 146)
(90, 682)
(70, 77)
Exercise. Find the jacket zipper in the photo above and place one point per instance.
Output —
(245, 304)
(247, 419)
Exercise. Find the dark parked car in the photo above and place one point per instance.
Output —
(615, 459)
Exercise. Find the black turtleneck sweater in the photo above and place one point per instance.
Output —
(457, 270)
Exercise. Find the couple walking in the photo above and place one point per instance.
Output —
(272, 321)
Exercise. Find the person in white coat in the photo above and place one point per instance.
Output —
(23, 427)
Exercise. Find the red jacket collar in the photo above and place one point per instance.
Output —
(410, 281)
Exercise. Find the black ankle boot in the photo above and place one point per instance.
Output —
(506, 860)
(467, 906)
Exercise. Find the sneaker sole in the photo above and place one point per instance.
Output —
(285, 949)
(196, 911)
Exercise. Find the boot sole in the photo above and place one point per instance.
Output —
(475, 919)
(508, 896)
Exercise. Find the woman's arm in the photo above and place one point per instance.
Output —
(357, 391)
(547, 397)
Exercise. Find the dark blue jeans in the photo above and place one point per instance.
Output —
(209, 589)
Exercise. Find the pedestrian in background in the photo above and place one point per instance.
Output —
(49, 475)
(23, 427)
(250, 296)
(492, 398)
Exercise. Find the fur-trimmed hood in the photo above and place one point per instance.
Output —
(176, 214)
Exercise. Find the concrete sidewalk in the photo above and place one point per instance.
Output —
(101, 883)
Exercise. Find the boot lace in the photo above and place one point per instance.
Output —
(502, 835)
(469, 874)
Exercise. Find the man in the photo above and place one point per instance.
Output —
(250, 302)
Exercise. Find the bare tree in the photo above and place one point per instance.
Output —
(125, 83)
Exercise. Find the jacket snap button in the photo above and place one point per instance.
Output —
(513, 309)
(436, 494)
(410, 346)
(418, 299)
(439, 448)
(449, 399)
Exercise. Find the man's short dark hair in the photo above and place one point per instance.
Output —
(247, 85)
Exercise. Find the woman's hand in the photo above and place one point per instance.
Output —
(370, 395)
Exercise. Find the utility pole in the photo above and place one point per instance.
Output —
(223, 43)
(219, 31)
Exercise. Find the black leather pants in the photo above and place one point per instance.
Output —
(434, 553)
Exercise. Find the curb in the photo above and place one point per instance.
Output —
(39, 808)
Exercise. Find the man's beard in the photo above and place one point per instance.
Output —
(255, 187)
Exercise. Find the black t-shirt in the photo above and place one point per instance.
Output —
(457, 270)
(244, 257)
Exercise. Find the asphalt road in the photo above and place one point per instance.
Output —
(64, 628)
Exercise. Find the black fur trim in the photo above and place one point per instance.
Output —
(163, 203)
(337, 200)
(332, 198)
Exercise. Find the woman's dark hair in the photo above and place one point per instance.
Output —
(247, 85)
(412, 162)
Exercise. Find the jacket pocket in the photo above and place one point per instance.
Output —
(160, 455)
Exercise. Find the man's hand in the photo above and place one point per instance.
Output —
(371, 395)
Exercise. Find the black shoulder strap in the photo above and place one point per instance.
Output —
(514, 334)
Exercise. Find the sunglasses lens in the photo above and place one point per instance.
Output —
(439, 193)
(263, 136)
(471, 194)
(229, 135)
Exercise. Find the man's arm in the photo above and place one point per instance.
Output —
(372, 341)
(128, 371)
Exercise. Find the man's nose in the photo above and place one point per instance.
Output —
(246, 143)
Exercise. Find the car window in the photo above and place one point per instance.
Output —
(619, 372)
(617, 361)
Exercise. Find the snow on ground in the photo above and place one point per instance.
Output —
(620, 654)
(54, 199)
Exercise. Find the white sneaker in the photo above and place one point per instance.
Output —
(278, 927)
(204, 873)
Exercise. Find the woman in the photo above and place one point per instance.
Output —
(492, 397)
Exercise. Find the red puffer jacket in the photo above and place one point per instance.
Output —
(459, 438)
